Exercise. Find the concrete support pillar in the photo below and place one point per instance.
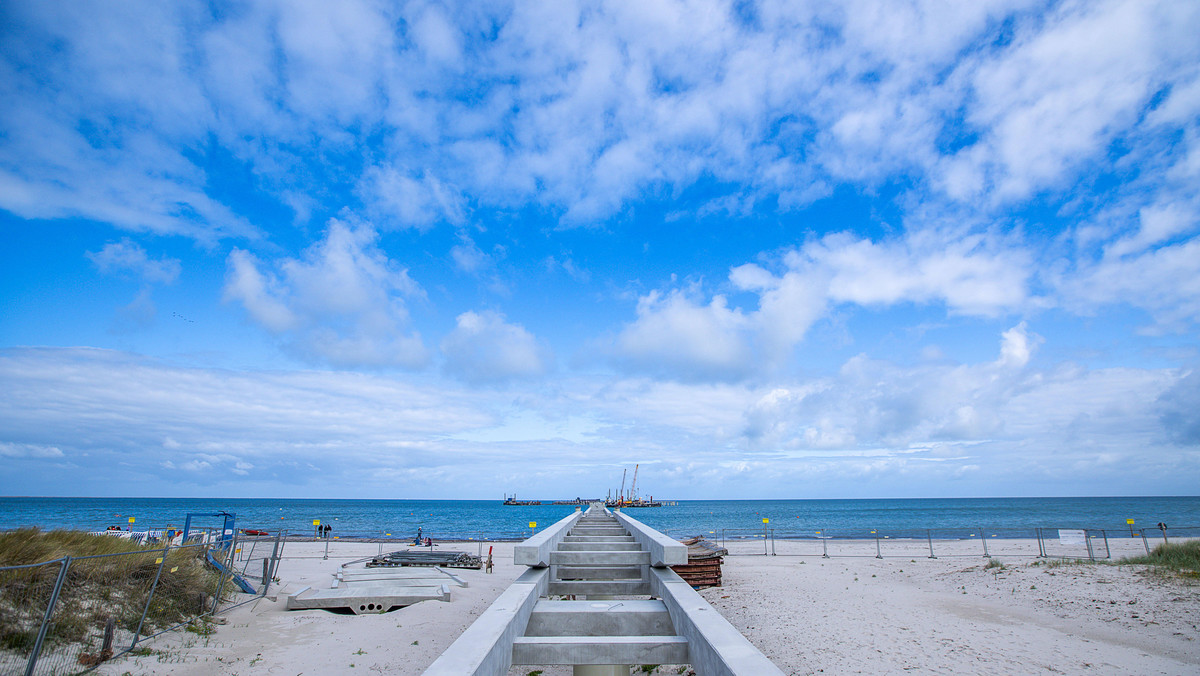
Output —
(601, 670)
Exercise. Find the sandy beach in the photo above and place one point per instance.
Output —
(852, 613)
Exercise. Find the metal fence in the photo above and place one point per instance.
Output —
(69, 615)
(1062, 543)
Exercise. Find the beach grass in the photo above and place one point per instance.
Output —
(108, 578)
(1179, 557)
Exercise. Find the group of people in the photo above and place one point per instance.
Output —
(323, 530)
(422, 542)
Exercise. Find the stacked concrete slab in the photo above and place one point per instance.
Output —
(599, 592)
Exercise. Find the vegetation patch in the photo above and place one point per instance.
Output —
(108, 577)
(1178, 557)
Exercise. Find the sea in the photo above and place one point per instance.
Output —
(492, 520)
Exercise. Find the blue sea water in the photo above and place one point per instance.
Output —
(489, 519)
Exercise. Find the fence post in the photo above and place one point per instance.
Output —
(983, 538)
(878, 554)
(1087, 540)
(929, 537)
(1041, 545)
(138, 632)
(772, 542)
(1107, 551)
(41, 637)
(824, 545)
(1145, 543)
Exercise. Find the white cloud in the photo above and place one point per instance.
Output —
(873, 427)
(410, 200)
(580, 110)
(467, 255)
(128, 256)
(12, 450)
(673, 335)
(342, 303)
(678, 335)
(1068, 84)
(484, 348)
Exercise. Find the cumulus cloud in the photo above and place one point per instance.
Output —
(343, 302)
(485, 348)
(675, 335)
(679, 334)
(875, 404)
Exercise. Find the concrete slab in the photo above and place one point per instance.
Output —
(367, 598)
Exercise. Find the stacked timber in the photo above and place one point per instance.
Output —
(703, 568)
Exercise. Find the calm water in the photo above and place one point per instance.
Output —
(459, 519)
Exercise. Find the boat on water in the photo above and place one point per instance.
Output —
(521, 503)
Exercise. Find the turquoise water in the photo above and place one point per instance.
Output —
(460, 519)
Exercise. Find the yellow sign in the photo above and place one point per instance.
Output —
(131, 519)
(533, 524)
(766, 521)
(158, 560)
(175, 568)
(1129, 521)
(316, 522)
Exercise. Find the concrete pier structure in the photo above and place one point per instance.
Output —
(593, 557)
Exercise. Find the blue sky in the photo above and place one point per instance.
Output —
(455, 250)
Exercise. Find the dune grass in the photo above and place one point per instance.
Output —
(114, 582)
(1179, 557)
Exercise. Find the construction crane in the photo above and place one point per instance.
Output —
(621, 495)
(633, 486)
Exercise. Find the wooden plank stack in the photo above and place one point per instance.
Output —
(703, 568)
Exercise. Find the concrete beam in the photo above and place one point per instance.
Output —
(638, 558)
(600, 547)
(536, 550)
(602, 587)
(600, 650)
(600, 618)
(664, 551)
(599, 572)
(485, 648)
(716, 648)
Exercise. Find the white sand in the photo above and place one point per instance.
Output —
(843, 615)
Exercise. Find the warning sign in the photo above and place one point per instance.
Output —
(1070, 537)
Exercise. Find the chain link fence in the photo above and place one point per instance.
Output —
(1055, 543)
(69, 615)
